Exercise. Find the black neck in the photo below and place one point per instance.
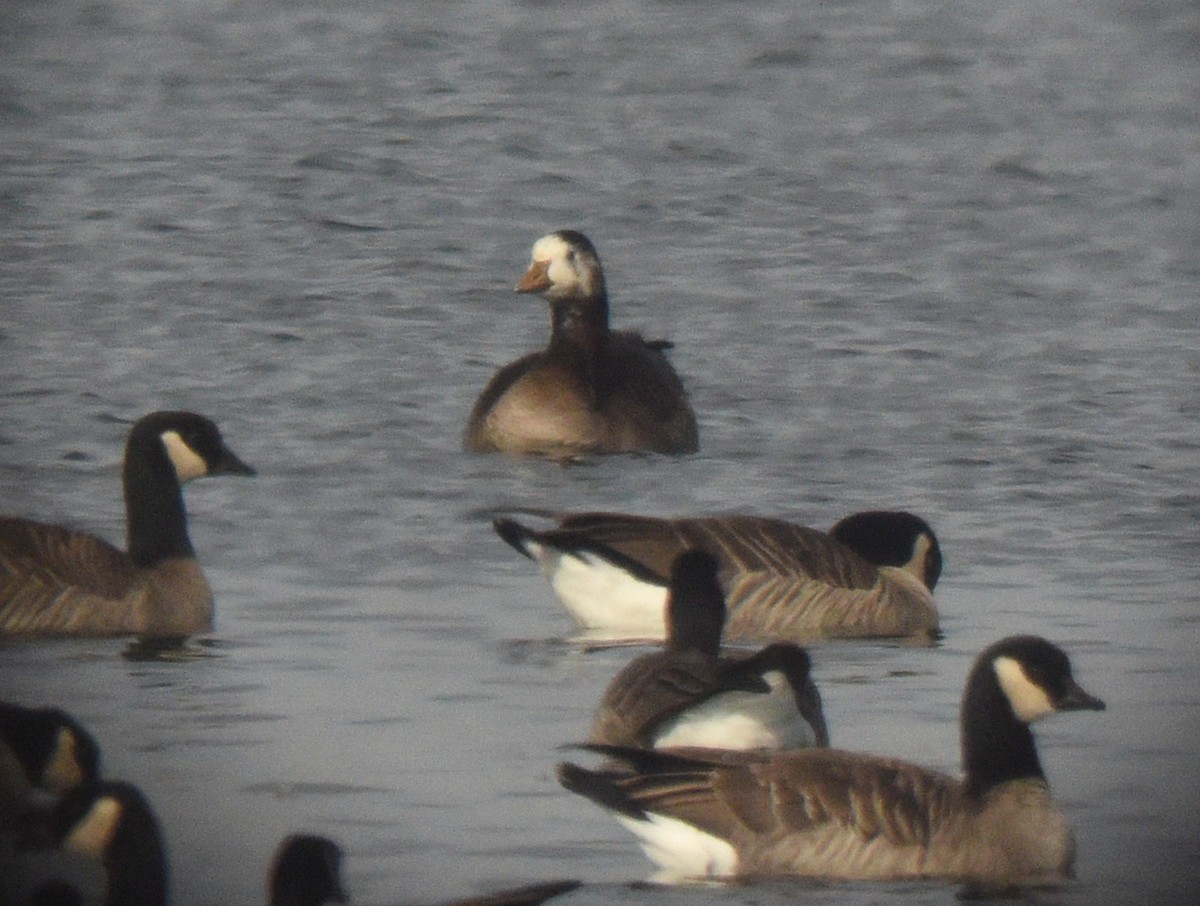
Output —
(155, 520)
(996, 746)
(579, 331)
(695, 606)
(136, 863)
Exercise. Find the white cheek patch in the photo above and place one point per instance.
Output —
(187, 462)
(1029, 700)
(681, 850)
(94, 832)
(63, 772)
(600, 595)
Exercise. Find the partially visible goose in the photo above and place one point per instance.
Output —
(835, 814)
(592, 389)
(306, 871)
(872, 575)
(57, 581)
(41, 750)
(101, 840)
(688, 695)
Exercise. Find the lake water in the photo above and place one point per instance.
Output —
(943, 257)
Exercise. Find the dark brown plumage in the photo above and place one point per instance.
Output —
(592, 389)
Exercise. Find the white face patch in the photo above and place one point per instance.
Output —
(63, 772)
(187, 462)
(1029, 700)
(564, 274)
(95, 830)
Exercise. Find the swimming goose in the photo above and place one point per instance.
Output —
(871, 576)
(836, 814)
(56, 581)
(99, 836)
(688, 695)
(592, 389)
(306, 871)
(41, 749)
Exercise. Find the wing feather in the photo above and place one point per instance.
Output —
(46, 571)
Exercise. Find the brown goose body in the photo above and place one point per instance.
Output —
(781, 580)
(836, 814)
(59, 581)
(592, 389)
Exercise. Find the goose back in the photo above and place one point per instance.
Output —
(781, 580)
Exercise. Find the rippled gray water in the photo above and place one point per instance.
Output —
(925, 255)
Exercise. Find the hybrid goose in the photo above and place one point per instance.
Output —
(592, 389)
(57, 581)
(872, 575)
(835, 814)
(306, 871)
(688, 695)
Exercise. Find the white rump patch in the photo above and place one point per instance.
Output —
(187, 462)
(742, 721)
(1029, 700)
(682, 850)
(94, 831)
(602, 596)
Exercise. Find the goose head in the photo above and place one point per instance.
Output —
(893, 538)
(1014, 683)
(56, 753)
(564, 269)
(192, 443)
(306, 871)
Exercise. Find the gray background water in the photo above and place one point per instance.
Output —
(940, 256)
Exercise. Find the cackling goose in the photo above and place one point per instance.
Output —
(836, 814)
(57, 581)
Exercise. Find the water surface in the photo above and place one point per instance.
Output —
(930, 256)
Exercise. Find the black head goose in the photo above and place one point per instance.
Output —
(306, 871)
(835, 814)
(57, 581)
(42, 750)
(592, 389)
(688, 695)
(781, 580)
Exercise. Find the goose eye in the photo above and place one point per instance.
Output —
(571, 255)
